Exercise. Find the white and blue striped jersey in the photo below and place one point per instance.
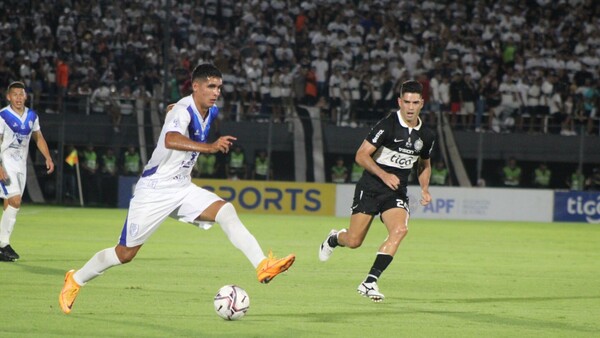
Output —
(168, 167)
(15, 132)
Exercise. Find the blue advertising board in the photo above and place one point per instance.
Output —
(577, 206)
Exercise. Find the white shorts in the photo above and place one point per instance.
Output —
(150, 207)
(15, 184)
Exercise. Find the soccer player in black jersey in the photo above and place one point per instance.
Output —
(391, 149)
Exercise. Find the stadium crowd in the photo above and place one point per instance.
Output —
(526, 65)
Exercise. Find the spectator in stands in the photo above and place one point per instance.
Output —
(321, 69)
(591, 96)
(491, 92)
(131, 162)
(339, 171)
(542, 176)
(90, 175)
(335, 96)
(568, 114)
(262, 167)
(535, 105)
(455, 97)
(62, 82)
(310, 89)
(207, 166)
(504, 113)
(356, 172)
(469, 95)
(275, 92)
(576, 181)
(511, 174)
(439, 174)
(593, 182)
(109, 178)
(236, 164)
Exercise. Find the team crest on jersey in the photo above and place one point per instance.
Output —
(418, 144)
(133, 229)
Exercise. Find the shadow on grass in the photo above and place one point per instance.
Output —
(39, 269)
(397, 308)
(505, 299)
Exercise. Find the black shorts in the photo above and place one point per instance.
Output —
(372, 202)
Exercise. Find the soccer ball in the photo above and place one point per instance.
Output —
(231, 302)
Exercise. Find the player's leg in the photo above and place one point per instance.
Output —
(7, 224)
(396, 222)
(351, 237)
(147, 210)
(203, 205)
(364, 206)
(225, 214)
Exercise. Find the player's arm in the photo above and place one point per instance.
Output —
(43, 147)
(424, 176)
(177, 141)
(364, 159)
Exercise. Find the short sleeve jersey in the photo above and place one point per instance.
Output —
(169, 166)
(15, 131)
(398, 149)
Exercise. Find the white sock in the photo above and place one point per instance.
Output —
(7, 224)
(101, 261)
(238, 235)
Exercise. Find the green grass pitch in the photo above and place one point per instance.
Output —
(449, 279)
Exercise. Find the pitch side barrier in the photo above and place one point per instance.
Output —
(326, 199)
(494, 204)
(271, 197)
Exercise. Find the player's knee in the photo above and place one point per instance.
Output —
(15, 202)
(399, 232)
(125, 254)
(353, 242)
(126, 259)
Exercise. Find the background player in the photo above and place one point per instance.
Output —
(165, 189)
(389, 152)
(18, 124)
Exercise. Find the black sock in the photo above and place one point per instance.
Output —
(333, 241)
(381, 263)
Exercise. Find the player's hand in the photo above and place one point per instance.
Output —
(169, 107)
(223, 144)
(425, 197)
(391, 180)
(49, 166)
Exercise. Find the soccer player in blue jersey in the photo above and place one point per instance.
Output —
(392, 148)
(165, 189)
(18, 125)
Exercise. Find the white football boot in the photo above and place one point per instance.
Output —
(370, 290)
(325, 250)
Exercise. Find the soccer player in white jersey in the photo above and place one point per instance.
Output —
(18, 125)
(392, 148)
(165, 189)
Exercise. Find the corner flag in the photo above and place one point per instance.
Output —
(72, 159)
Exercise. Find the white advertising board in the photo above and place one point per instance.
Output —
(494, 204)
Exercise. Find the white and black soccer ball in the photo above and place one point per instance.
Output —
(231, 302)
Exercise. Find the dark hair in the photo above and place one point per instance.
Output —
(205, 70)
(411, 86)
(16, 84)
